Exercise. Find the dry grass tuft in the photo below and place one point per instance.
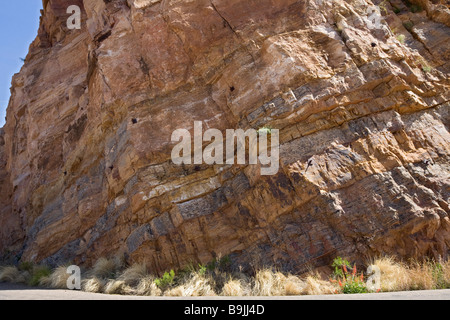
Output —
(133, 275)
(132, 281)
(196, 285)
(269, 283)
(13, 275)
(314, 285)
(293, 286)
(394, 275)
(118, 287)
(446, 271)
(57, 280)
(9, 274)
(397, 276)
(236, 288)
(147, 287)
(93, 285)
(420, 277)
(104, 268)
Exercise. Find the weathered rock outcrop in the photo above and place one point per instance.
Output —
(85, 153)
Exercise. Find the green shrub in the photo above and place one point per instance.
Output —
(426, 68)
(349, 282)
(353, 285)
(221, 264)
(202, 270)
(268, 130)
(39, 272)
(26, 266)
(166, 280)
(401, 38)
(383, 6)
(339, 265)
(190, 270)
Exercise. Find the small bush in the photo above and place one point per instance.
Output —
(426, 68)
(220, 264)
(39, 273)
(133, 275)
(339, 265)
(401, 38)
(350, 282)
(118, 287)
(166, 280)
(57, 279)
(191, 269)
(267, 130)
(354, 285)
(235, 288)
(269, 283)
(383, 7)
(26, 266)
(195, 286)
(394, 275)
(13, 275)
(104, 268)
(316, 286)
(93, 285)
(148, 287)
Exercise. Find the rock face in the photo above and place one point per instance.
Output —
(85, 154)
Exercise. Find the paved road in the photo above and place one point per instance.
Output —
(20, 292)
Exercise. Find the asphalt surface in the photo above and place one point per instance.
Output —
(20, 292)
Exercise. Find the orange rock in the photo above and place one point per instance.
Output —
(85, 154)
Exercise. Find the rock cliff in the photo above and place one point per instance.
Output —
(361, 98)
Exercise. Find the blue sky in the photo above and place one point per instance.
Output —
(19, 23)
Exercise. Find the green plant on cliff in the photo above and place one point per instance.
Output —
(401, 38)
(426, 68)
(424, 65)
(267, 130)
(383, 6)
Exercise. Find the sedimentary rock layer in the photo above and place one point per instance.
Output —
(362, 106)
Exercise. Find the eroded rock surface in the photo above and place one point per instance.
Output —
(85, 153)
